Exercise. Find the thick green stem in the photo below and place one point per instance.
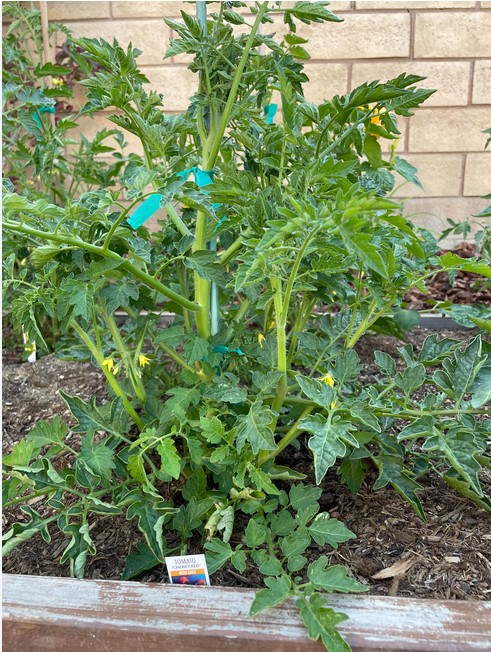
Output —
(184, 291)
(303, 315)
(99, 357)
(366, 323)
(229, 253)
(281, 388)
(211, 147)
(229, 106)
(99, 251)
(176, 219)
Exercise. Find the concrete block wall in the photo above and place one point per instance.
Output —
(449, 42)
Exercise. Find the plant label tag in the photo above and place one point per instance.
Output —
(188, 569)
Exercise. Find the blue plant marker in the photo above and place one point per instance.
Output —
(270, 112)
(150, 206)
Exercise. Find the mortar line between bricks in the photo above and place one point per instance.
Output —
(422, 10)
(471, 83)
(347, 61)
(412, 32)
(463, 169)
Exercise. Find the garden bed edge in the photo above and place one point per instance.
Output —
(52, 613)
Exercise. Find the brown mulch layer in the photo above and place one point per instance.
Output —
(447, 557)
(30, 392)
(468, 288)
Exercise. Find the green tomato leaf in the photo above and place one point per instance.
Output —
(295, 544)
(277, 592)
(326, 530)
(451, 260)
(481, 388)
(411, 378)
(49, 433)
(302, 496)
(318, 391)
(254, 427)
(79, 295)
(225, 389)
(21, 454)
(315, 12)
(321, 622)
(208, 266)
(255, 533)
(296, 563)
(151, 513)
(140, 559)
(458, 374)
(170, 462)
(392, 470)
(87, 414)
(218, 553)
(21, 532)
(98, 457)
(118, 295)
(79, 547)
(460, 449)
(326, 444)
(352, 472)
(333, 578)
(177, 405)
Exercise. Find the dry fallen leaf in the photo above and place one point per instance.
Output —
(400, 567)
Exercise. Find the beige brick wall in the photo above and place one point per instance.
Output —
(449, 42)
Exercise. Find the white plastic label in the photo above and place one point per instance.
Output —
(188, 569)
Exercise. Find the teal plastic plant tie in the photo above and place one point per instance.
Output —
(270, 112)
(43, 109)
(224, 350)
(150, 206)
(220, 349)
(202, 177)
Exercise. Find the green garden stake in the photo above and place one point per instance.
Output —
(212, 245)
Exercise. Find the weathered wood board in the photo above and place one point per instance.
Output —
(66, 615)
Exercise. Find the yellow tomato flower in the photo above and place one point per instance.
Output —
(333, 405)
(271, 324)
(143, 360)
(328, 379)
(57, 81)
(108, 363)
(116, 370)
(261, 339)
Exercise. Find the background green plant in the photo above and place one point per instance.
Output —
(43, 155)
(311, 253)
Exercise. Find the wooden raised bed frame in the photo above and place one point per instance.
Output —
(66, 615)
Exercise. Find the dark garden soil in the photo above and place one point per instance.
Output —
(447, 557)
